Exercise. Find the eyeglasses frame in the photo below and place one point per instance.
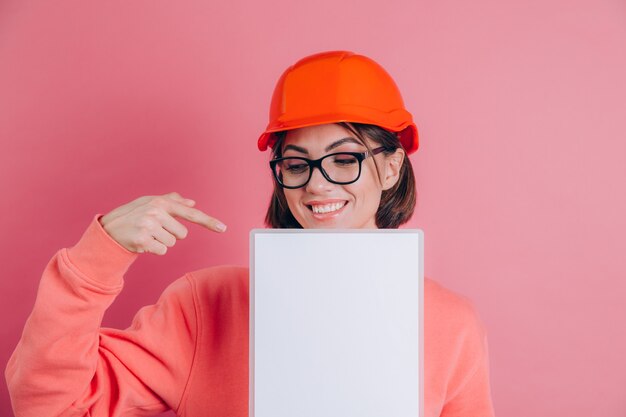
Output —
(317, 163)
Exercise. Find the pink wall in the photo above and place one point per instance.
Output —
(522, 112)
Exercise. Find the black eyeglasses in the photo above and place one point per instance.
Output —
(339, 168)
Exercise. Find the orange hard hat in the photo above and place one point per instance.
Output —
(338, 86)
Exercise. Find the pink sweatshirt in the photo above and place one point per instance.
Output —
(189, 351)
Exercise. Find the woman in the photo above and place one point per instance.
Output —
(340, 135)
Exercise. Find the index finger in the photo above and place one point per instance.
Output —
(196, 216)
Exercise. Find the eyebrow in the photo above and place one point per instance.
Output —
(328, 148)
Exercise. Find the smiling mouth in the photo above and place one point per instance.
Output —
(327, 208)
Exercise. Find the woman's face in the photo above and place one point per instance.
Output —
(321, 204)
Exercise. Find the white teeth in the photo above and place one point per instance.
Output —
(327, 208)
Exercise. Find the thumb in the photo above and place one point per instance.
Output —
(175, 196)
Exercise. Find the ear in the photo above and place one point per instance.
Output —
(393, 163)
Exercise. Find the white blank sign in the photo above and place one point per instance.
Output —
(336, 323)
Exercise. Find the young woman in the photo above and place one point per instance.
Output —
(340, 135)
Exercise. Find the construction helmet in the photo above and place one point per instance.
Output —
(338, 86)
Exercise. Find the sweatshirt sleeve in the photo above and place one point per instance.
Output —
(65, 364)
(469, 392)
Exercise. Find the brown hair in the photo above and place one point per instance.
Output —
(396, 204)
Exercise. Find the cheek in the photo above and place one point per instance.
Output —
(368, 185)
(367, 192)
(292, 197)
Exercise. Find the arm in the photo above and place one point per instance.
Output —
(65, 364)
(469, 389)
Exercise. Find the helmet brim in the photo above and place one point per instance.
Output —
(407, 132)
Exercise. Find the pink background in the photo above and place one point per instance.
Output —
(521, 108)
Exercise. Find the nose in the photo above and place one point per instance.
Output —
(318, 183)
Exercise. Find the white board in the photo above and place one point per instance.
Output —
(336, 323)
